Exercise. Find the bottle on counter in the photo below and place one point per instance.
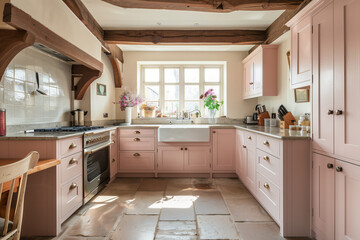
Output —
(2, 121)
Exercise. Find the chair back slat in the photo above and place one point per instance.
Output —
(12, 172)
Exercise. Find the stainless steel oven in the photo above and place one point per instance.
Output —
(96, 162)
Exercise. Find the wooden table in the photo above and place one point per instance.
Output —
(40, 166)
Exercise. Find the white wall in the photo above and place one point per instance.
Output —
(285, 94)
(23, 105)
(236, 106)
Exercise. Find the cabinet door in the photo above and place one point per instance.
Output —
(323, 69)
(301, 54)
(238, 148)
(248, 78)
(170, 158)
(257, 73)
(197, 158)
(323, 196)
(113, 155)
(250, 171)
(224, 149)
(347, 77)
(347, 208)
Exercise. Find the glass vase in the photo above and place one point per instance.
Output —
(212, 116)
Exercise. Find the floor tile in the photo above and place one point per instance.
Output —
(178, 208)
(136, 227)
(151, 184)
(247, 209)
(145, 203)
(99, 220)
(209, 203)
(232, 190)
(176, 230)
(216, 227)
(118, 186)
(204, 184)
(258, 231)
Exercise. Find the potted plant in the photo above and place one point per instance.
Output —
(128, 100)
(212, 103)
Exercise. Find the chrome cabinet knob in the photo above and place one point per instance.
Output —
(330, 165)
(330, 112)
(136, 155)
(339, 112)
(339, 169)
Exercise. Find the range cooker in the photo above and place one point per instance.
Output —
(96, 154)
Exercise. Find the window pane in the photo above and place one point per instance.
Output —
(215, 88)
(171, 92)
(190, 106)
(171, 75)
(152, 75)
(192, 92)
(212, 75)
(152, 93)
(171, 107)
(192, 75)
(152, 104)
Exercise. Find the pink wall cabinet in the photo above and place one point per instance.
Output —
(323, 202)
(301, 53)
(260, 72)
(347, 78)
(347, 198)
(223, 149)
(197, 158)
(323, 70)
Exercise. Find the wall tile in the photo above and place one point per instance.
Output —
(19, 85)
(20, 73)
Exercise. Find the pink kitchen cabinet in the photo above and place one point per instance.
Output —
(260, 72)
(249, 155)
(347, 78)
(197, 158)
(114, 159)
(323, 202)
(347, 199)
(223, 149)
(239, 150)
(171, 158)
(323, 86)
(301, 53)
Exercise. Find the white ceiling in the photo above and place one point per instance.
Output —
(184, 48)
(113, 17)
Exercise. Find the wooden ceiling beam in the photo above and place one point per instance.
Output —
(173, 37)
(208, 5)
(278, 27)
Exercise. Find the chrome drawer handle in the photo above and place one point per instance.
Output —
(137, 139)
(266, 143)
(137, 132)
(266, 185)
(266, 158)
(73, 160)
(136, 155)
(72, 186)
(72, 146)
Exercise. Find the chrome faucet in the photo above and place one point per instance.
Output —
(196, 110)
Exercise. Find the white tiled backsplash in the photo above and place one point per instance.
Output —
(17, 89)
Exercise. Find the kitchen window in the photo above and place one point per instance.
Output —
(175, 88)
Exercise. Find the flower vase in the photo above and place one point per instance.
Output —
(212, 115)
(128, 111)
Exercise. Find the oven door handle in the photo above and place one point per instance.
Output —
(91, 151)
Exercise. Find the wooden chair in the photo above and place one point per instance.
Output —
(11, 172)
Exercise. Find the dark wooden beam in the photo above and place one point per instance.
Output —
(117, 71)
(21, 20)
(87, 76)
(11, 43)
(208, 5)
(240, 37)
(278, 27)
(79, 9)
(116, 52)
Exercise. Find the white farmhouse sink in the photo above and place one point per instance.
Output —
(184, 133)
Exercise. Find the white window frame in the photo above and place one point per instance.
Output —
(201, 65)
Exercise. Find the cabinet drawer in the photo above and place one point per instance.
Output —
(269, 196)
(71, 197)
(268, 145)
(137, 144)
(137, 132)
(71, 166)
(249, 139)
(269, 166)
(70, 146)
(137, 161)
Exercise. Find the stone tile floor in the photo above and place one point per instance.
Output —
(172, 209)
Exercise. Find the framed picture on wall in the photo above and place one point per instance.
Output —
(100, 89)
(302, 95)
